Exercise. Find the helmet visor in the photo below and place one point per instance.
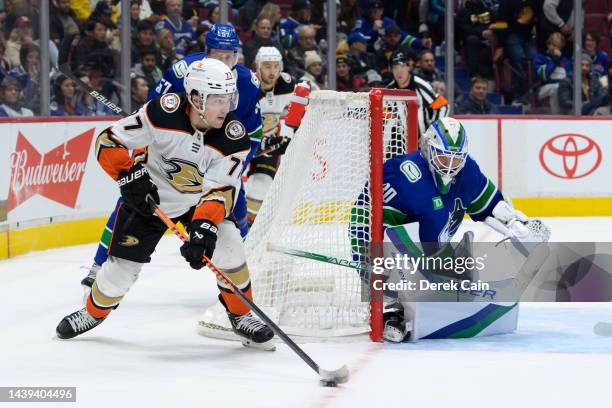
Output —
(228, 57)
(229, 101)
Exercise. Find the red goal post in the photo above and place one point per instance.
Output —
(377, 98)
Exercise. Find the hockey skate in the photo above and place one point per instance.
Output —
(88, 281)
(76, 323)
(252, 331)
(395, 329)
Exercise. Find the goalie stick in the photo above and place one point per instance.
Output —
(513, 286)
(328, 377)
(65, 69)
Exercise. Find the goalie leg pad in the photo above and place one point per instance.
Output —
(257, 187)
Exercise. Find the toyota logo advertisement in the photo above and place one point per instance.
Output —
(570, 156)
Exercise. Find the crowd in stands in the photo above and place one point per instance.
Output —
(508, 53)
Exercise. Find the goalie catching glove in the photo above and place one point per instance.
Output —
(202, 241)
(137, 190)
(516, 225)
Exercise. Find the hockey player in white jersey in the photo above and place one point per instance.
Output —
(277, 88)
(191, 165)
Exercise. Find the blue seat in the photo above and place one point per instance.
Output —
(509, 110)
(495, 98)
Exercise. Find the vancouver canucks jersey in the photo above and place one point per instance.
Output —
(248, 94)
(410, 195)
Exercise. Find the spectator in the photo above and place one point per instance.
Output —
(134, 15)
(299, 16)
(431, 18)
(181, 30)
(373, 22)
(514, 27)
(551, 68)
(391, 42)
(64, 101)
(432, 106)
(475, 23)
(10, 104)
(94, 40)
(476, 103)
(260, 38)
(342, 29)
(359, 59)
(599, 59)
(165, 44)
(593, 94)
(145, 38)
(22, 8)
(5, 66)
(374, 79)
(102, 84)
(93, 107)
(345, 81)
(140, 92)
(63, 21)
(296, 55)
(20, 35)
(252, 10)
(314, 75)
(557, 16)
(28, 75)
(427, 67)
(273, 13)
(349, 13)
(200, 44)
(214, 15)
(148, 69)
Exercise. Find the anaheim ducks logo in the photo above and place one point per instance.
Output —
(129, 241)
(183, 175)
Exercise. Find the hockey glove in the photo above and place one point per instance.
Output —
(202, 241)
(277, 144)
(137, 189)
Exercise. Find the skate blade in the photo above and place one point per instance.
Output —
(266, 346)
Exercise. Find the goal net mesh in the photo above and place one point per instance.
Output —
(308, 208)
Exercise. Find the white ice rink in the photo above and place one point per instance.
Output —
(148, 354)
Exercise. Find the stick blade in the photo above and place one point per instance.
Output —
(333, 377)
(603, 329)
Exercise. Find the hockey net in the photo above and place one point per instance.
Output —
(340, 146)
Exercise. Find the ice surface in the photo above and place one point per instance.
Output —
(147, 354)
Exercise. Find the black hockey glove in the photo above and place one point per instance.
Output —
(278, 144)
(137, 189)
(202, 241)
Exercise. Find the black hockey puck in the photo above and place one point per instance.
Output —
(328, 383)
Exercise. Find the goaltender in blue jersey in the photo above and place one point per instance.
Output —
(222, 44)
(428, 192)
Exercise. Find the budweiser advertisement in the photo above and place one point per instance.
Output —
(52, 172)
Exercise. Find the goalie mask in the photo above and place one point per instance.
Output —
(444, 147)
(210, 77)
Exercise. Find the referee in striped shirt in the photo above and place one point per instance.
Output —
(431, 105)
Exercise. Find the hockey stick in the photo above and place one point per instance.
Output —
(65, 69)
(328, 377)
(512, 286)
(603, 329)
